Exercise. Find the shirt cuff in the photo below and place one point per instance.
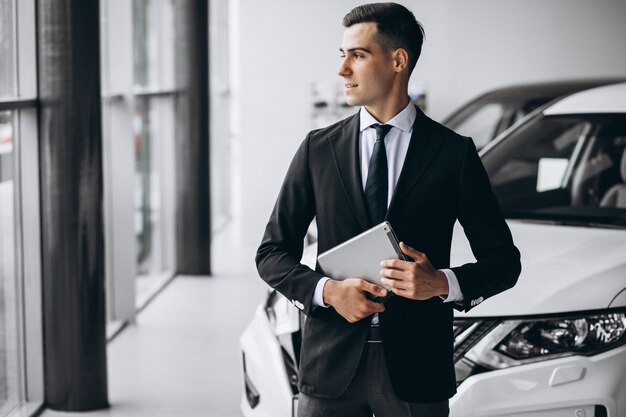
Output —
(454, 290)
(318, 295)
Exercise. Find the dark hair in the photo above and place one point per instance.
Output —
(397, 27)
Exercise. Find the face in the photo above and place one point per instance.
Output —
(367, 69)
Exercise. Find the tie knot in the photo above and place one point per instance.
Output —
(381, 130)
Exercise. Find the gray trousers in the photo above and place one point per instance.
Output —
(370, 392)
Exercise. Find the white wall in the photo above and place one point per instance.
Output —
(499, 42)
(281, 46)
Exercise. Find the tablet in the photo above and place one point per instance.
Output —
(360, 257)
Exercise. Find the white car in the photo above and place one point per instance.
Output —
(491, 113)
(555, 344)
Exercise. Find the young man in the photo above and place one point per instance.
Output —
(387, 162)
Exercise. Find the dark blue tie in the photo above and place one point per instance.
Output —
(376, 188)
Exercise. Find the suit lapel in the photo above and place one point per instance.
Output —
(425, 144)
(423, 147)
(345, 149)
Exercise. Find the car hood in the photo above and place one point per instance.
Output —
(564, 269)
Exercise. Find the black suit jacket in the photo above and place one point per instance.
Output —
(442, 180)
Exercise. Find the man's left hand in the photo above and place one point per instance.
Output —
(417, 280)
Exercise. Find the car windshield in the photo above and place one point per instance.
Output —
(483, 120)
(478, 122)
(563, 169)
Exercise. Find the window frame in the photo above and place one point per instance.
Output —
(27, 237)
(119, 95)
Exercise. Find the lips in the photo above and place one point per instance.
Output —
(351, 85)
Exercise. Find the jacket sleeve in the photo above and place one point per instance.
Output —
(497, 265)
(278, 257)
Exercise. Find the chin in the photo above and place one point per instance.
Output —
(352, 101)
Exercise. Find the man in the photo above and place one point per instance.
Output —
(387, 162)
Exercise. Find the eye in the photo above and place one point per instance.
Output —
(359, 56)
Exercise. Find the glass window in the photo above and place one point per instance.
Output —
(151, 216)
(21, 368)
(146, 178)
(562, 169)
(139, 145)
(153, 49)
(9, 355)
(481, 123)
(153, 43)
(144, 42)
(7, 49)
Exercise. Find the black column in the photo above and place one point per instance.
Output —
(193, 208)
(71, 205)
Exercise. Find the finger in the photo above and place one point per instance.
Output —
(394, 284)
(412, 253)
(393, 274)
(376, 307)
(373, 289)
(394, 263)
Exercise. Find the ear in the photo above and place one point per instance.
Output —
(400, 59)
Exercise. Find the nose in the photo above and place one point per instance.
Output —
(344, 68)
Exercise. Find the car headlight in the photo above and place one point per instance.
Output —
(486, 345)
(585, 335)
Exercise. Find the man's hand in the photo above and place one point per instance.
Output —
(417, 280)
(348, 298)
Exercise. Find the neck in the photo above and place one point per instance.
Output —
(388, 110)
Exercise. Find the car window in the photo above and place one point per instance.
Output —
(481, 124)
(561, 168)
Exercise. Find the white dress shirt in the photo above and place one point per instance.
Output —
(396, 146)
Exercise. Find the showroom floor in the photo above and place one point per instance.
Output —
(182, 358)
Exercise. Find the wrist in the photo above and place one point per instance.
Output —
(444, 288)
(328, 291)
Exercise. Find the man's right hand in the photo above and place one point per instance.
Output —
(348, 298)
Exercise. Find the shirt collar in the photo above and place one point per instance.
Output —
(403, 120)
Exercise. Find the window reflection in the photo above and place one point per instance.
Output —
(481, 125)
(153, 43)
(9, 358)
(7, 49)
(146, 178)
(562, 168)
(145, 42)
(153, 68)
